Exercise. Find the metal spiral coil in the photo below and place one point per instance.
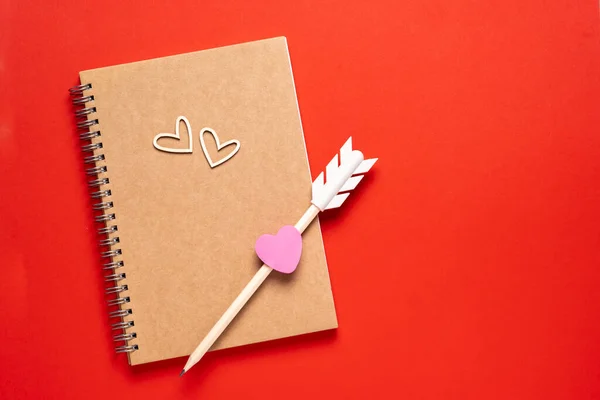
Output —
(96, 170)
(101, 193)
(93, 159)
(105, 205)
(109, 229)
(87, 123)
(82, 100)
(116, 289)
(124, 336)
(120, 313)
(105, 217)
(122, 325)
(85, 111)
(115, 277)
(78, 90)
(111, 253)
(91, 147)
(113, 265)
(98, 182)
(109, 242)
(89, 134)
(118, 301)
(127, 348)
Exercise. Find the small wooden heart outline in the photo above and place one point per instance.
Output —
(176, 136)
(220, 146)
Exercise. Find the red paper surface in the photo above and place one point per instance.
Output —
(466, 265)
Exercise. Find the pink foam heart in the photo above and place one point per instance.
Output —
(281, 252)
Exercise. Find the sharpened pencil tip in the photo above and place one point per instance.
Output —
(181, 373)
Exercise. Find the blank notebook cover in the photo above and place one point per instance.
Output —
(187, 231)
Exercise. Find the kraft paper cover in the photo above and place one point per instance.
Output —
(187, 231)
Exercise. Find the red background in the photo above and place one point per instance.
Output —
(466, 266)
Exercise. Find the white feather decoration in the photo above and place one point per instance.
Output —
(339, 177)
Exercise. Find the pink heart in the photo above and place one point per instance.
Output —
(281, 252)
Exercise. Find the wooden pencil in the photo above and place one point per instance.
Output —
(242, 299)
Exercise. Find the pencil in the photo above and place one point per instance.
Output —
(242, 299)
(328, 191)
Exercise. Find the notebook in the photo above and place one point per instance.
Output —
(191, 158)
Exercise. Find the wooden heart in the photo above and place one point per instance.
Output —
(220, 146)
(175, 136)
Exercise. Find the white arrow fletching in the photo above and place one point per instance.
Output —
(351, 183)
(339, 177)
(365, 166)
(337, 201)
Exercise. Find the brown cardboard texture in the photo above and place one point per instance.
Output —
(187, 231)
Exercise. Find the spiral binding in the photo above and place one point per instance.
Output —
(86, 126)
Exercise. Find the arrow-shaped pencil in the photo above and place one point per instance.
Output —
(328, 191)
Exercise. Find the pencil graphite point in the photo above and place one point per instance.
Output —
(181, 373)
